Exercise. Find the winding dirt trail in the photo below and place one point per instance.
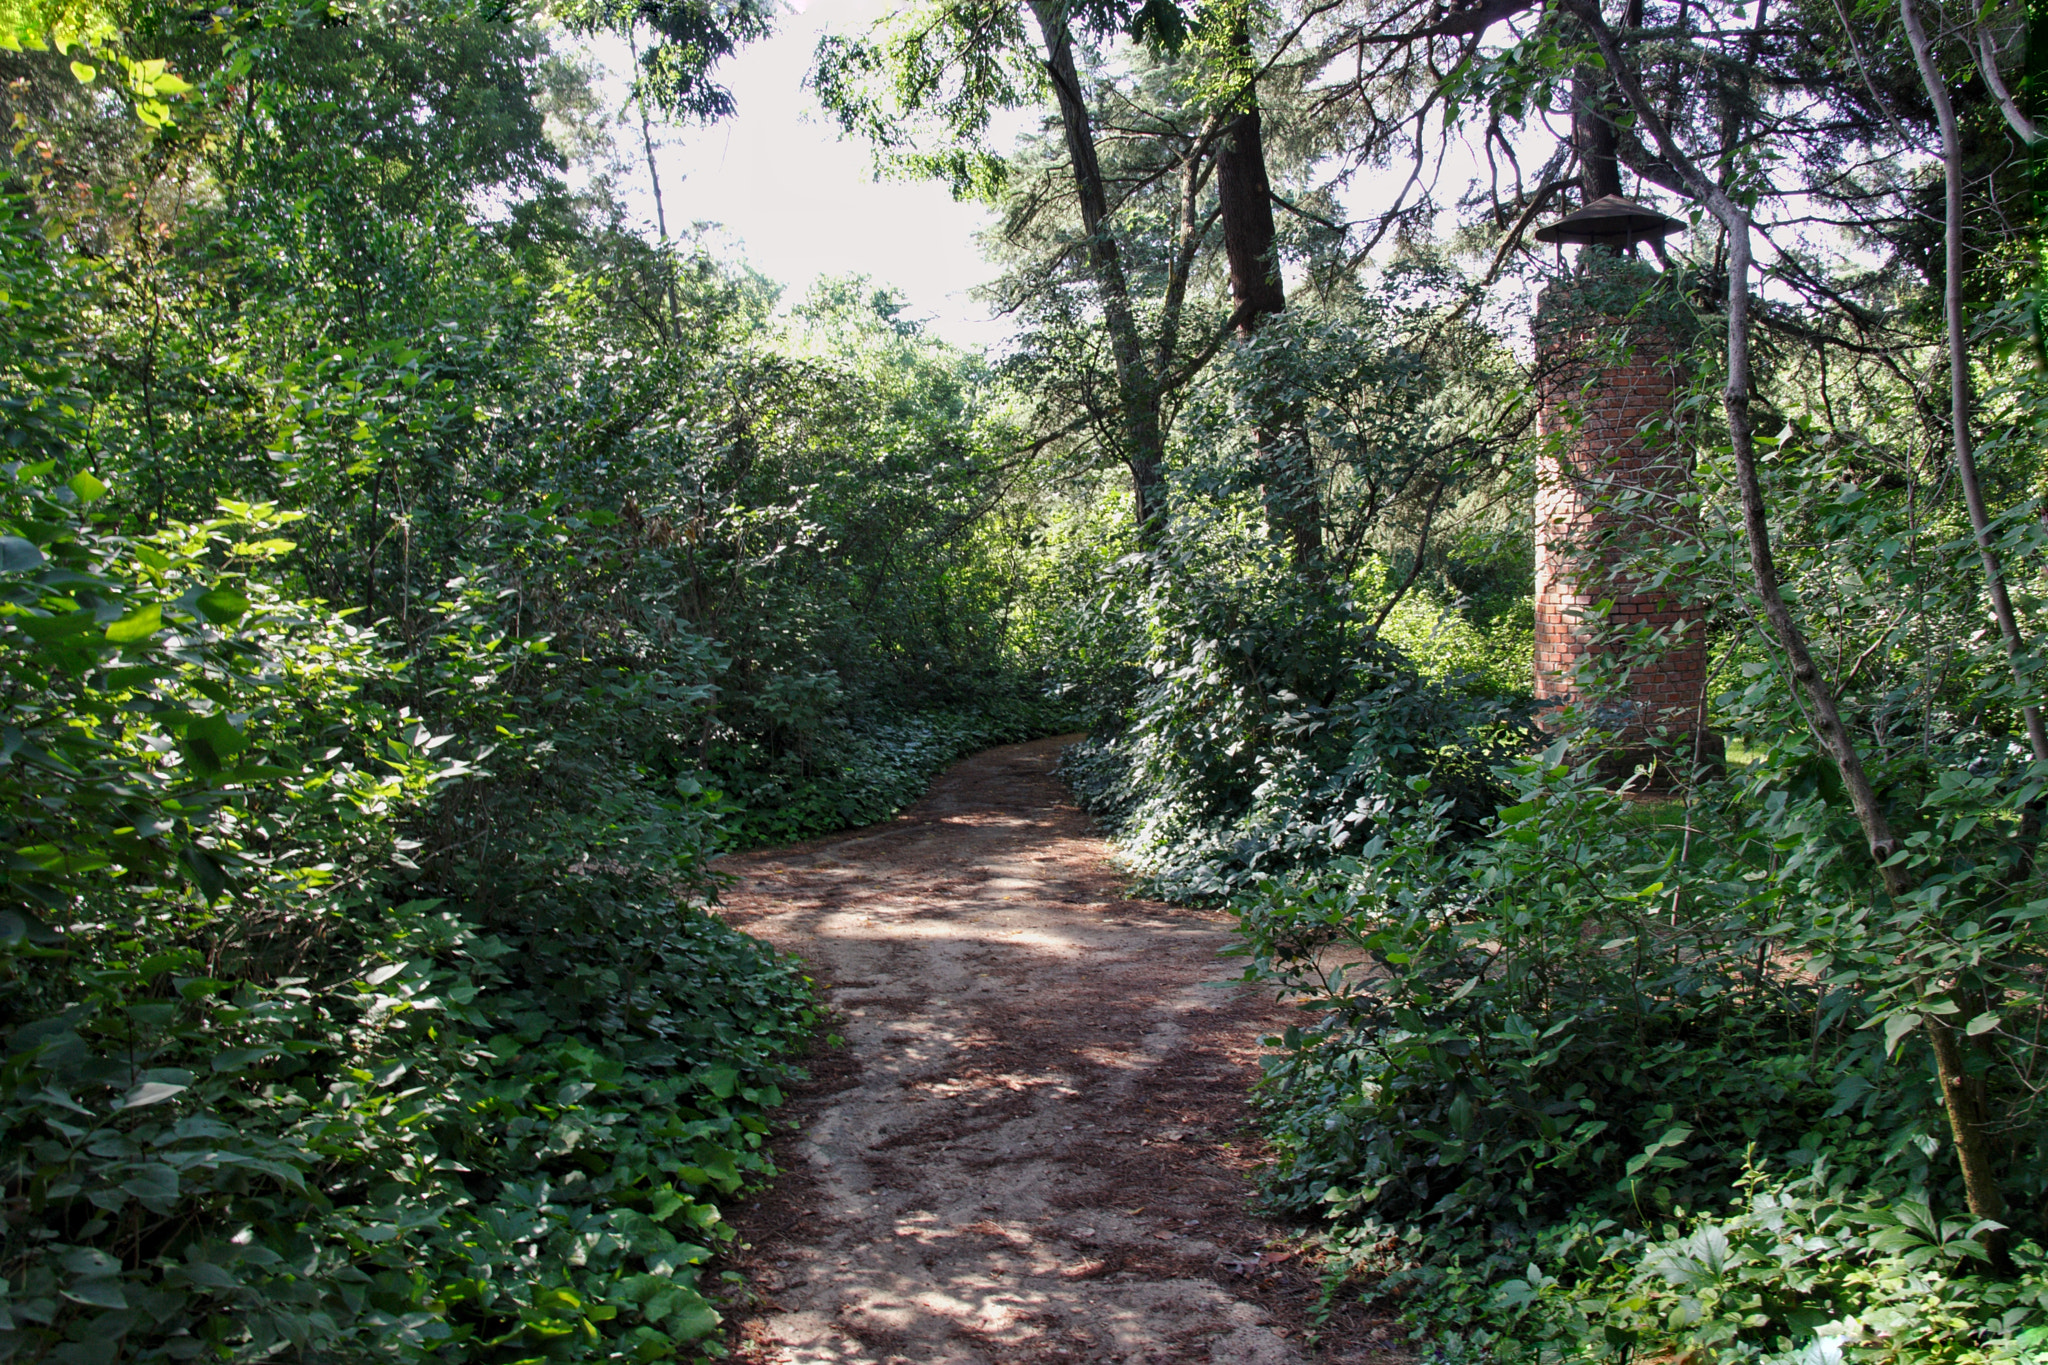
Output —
(1031, 1147)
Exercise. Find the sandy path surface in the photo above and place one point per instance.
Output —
(1031, 1147)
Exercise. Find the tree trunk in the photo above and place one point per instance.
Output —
(1137, 385)
(654, 179)
(1245, 197)
(1596, 129)
(1595, 136)
(1959, 366)
(1967, 1120)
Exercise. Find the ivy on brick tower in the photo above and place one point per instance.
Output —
(1630, 655)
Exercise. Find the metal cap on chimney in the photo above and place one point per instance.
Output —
(1611, 221)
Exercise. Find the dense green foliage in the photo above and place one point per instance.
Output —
(412, 577)
(1607, 1075)
(264, 1086)
(1581, 1074)
(412, 581)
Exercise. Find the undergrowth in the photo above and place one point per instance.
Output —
(285, 1073)
(1584, 1088)
(360, 992)
(867, 770)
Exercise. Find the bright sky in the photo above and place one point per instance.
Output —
(797, 201)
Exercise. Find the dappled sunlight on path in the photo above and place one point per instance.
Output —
(1032, 1146)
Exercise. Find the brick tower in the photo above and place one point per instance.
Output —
(1608, 477)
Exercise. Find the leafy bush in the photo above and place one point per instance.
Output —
(408, 1154)
(248, 1101)
(1823, 1267)
(358, 992)
(1541, 1062)
(1268, 736)
(1448, 648)
(864, 771)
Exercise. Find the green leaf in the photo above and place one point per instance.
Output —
(139, 624)
(19, 926)
(221, 606)
(18, 555)
(148, 1093)
(155, 1184)
(156, 964)
(84, 71)
(62, 861)
(211, 741)
(1983, 1023)
(88, 488)
(97, 1293)
(208, 1274)
(1897, 1027)
(206, 873)
(692, 1321)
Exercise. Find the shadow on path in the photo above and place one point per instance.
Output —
(1030, 1148)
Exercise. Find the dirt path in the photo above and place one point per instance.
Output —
(1031, 1146)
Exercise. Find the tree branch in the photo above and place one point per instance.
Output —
(1459, 23)
(1987, 62)
(1421, 548)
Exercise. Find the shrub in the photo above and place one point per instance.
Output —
(1540, 1064)
(1220, 783)
(256, 1098)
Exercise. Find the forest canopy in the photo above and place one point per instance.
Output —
(414, 573)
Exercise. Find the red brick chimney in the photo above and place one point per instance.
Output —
(1609, 474)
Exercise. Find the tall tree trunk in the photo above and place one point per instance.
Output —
(1596, 129)
(1137, 385)
(1959, 364)
(1595, 136)
(1967, 1120)
(1245, 197)
(1965, 1095)
(654, 179)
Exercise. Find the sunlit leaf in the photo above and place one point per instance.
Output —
(148, 1093)
(137, 625)
(222, 606)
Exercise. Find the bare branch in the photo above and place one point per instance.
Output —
(1987, 62)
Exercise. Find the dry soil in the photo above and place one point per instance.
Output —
(1032, 1145)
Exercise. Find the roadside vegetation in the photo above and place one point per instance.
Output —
(412, 580)
(414, 572)
(1748, 1070)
